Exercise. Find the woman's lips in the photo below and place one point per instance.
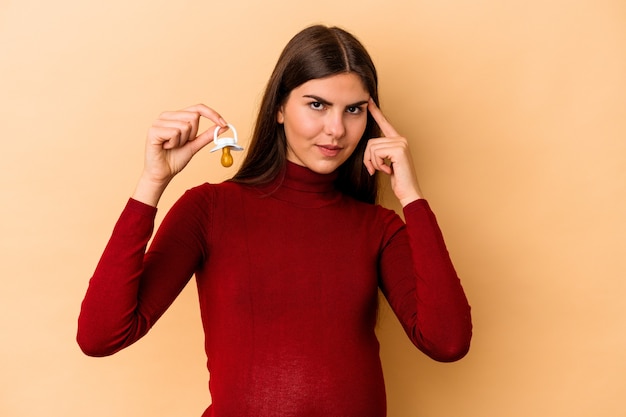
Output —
(329, 150)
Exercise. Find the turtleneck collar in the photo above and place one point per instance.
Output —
(302, 187)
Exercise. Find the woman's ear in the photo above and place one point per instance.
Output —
(280, 116)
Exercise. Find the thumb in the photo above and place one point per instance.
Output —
(203, 139)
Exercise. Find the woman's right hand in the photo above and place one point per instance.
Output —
(171, 142)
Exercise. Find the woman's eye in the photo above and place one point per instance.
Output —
(354, 110)
(316, 105)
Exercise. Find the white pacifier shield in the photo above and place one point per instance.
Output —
(224, 142)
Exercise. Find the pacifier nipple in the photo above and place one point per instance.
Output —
(226, 145)
(227, 158)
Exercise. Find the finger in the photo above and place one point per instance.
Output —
(385, 127)
(166, 137)
(192, 115)
(210, 134)
(375, 157)
(208, 113)
(185, 123)
(187, 130)
(381, 161)
(370, 158)
(368, 165)
(204, 139)
(389, 151)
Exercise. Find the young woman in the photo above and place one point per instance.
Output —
(289, 254)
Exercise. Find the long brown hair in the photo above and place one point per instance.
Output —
(315, 52)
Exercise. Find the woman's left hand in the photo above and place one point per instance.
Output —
(390, 154)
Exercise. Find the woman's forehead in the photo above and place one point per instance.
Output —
(345, 87)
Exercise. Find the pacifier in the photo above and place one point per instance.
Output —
(226, 144)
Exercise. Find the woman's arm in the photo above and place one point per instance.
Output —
(422, 286)
(171, 142)
(418, 277)
(130, 288)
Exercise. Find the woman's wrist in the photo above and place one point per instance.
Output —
(410, 194)
(149, 191)
(409, 199)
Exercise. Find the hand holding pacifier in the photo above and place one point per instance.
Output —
(226, 144)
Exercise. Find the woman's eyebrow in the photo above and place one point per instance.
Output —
(358, 103)
(318, 99)
(328, 103)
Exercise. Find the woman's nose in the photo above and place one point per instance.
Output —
(335, 124)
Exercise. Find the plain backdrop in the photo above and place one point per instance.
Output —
(516, 114)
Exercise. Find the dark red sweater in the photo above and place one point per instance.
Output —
(287, 278)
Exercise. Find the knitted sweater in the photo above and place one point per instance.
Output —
(287, 276)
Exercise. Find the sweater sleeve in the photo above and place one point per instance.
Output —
(422, 286)
(131, 288)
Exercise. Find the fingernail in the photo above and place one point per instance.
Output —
(222, 122)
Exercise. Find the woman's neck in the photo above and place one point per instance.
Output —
(302, 187)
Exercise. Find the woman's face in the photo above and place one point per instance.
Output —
(324, 120)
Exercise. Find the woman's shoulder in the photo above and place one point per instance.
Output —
(212, 191)
(377, 214)
(208, 201)
(377, 209)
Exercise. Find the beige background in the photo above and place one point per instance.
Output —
(516, 114)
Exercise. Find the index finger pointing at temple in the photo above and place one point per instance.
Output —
(380, 119)
(209, 113)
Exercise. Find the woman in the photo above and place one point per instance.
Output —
(289, 254)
